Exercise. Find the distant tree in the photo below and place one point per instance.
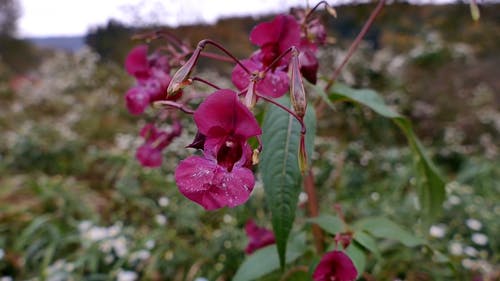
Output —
(112, 41)
(10, 11)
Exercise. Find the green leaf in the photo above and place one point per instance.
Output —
(329, 223)
(265, 260)
(279, 167)
(431, 186)
(358, 258)
(368, 242)
(384, 228)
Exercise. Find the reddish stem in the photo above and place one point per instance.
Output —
(355, 44)
(216, 57)
(313, 209)
(301, 121)
(173, 104)
(206, 82)
(202, 44)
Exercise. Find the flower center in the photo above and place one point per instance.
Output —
(229, 153)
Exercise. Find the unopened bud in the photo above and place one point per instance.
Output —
(331, 10)
(250, 98)
(303, 166)
(297, 92)
(255, 157)
(181, 77)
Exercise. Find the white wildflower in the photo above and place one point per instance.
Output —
(470, 251)
(456, 248)
(161, 219)
(480, 239)
(303, 198)
(125, 275)
(437, 231)
(474, 224)
(163, 201)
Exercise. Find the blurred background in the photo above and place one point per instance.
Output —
(76, 205)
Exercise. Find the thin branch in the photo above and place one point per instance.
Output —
(301, 121)
(355, 44)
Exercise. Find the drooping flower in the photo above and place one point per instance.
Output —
(221, 177)
(274, 38)
(152, 76)
(259, 237)
(335, 265)
(274, 84)
(149, 154)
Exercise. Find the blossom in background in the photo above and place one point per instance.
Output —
(274, 38)
(149, 153)
(335, 265)
(152, 77)
(221, 176)
(258, 237)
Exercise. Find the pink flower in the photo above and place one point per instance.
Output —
(273, 37)
(275, 84)
(276, 36)
(221, 177)
(259, 237)
(150, 153)
(335, 265)
(152, 76)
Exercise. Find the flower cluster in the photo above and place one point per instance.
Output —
(221, 175)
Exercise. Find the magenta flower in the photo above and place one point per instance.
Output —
(221, 177)
(150, 153)
(273, 37)
(259, 237)
(275, 84)
(335, 265)
(152, 76)
(276, 36)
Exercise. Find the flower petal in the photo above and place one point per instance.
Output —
(136, 62)
(274, 85)
(335, 265)
(222, 114)
(149, 156)
(210, 185)
(137, 100)
(282, 30)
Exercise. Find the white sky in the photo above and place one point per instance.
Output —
(75, 17)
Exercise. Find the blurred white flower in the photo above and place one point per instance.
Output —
(454, 200)
(480, 239)
(375, 196)
(468, 263)
(163, 201)
(125, 275)
(456, 248)
(201, 279)
(227, 219)
(6, 278)
(150, 244)
(139, 256)
(303, 198)
(161, 219)
(470, 251)
(473, 224)
(437, 231)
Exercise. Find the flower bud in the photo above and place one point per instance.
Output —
(181, 77)
(303, 166)
(250, 98)
(297, 92)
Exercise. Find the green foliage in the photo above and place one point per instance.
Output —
(280, 170)
(266, 260)
(431, 190)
